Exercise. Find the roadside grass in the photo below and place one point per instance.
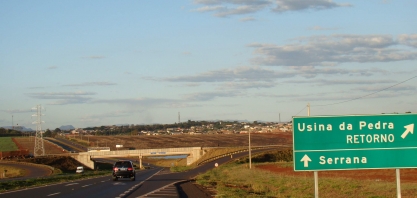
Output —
(235, 179)
(19, 184)
(175, 165)
(7, 144)
(11, 171)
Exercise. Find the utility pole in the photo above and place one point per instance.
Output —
(316, 175)
(39, 147)
(250, 156)
(12, 123)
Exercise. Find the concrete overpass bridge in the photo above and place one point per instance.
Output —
(87, 158)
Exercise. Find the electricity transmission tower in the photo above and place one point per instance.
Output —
(39, 148)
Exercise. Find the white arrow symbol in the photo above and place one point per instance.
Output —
(408, 129)
(305, 159)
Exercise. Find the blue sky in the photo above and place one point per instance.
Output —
(93, 63)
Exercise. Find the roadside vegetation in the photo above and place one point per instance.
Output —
(237, 180)
(64, 177)
(10, 171)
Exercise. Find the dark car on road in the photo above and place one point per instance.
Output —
(124, 169)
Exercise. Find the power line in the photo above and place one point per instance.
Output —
(301, 110)
(365, 95)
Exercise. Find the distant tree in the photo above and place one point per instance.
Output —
(56, 132)
(47, 133)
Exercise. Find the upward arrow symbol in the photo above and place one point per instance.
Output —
(408, 129)
(305, 159)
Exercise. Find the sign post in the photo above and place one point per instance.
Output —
(354, 142)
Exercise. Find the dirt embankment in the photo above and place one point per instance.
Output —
(65, 164)
(406, 175)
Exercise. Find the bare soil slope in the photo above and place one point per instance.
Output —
(406, 175)
(29, 143)
(65, 164)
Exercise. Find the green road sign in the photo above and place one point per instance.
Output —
(354, 142)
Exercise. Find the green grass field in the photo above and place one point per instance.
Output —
(6, 144)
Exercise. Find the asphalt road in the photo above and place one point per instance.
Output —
(68, 145)
(155, 182)
(97, 187)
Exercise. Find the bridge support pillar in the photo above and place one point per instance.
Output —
(85, 159)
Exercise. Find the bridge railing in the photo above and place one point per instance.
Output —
(161, 151)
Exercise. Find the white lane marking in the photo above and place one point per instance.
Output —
(86, 185)
(54, 194)
(71, 184)
(159, 189)
(140, 183)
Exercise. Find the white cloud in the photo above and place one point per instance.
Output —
(206, 96)
(297, 5)
(409, 40)
(312, 71)
(261, 77)
(209, 8)
(394, 89)
(247, 85)
(236, 74)
(90, 84)
(339, 82)
(63, 98)
(335, 49)
(224, 8)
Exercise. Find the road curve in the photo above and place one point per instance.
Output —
(32, 170)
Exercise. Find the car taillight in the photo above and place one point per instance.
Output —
(129, 169)
(115, 169)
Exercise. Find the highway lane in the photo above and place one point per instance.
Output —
(64, 142)
(96, 187)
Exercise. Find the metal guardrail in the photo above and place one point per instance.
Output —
(163, 151)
